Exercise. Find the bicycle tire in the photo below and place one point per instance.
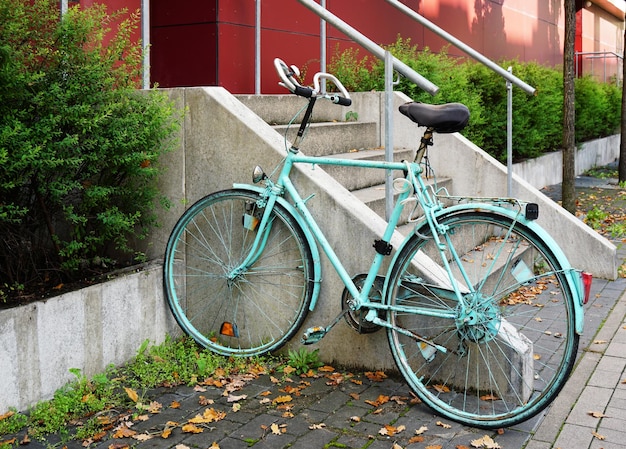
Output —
(258, 310)
(509, 355)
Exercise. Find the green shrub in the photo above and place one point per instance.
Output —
(537, 120)
(598, 107)
(79, 144)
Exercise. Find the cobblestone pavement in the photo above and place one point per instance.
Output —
(367, 410)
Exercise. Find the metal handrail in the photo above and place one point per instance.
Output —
(371, 46)
(604, 55)
(464, 47)
(420, 81)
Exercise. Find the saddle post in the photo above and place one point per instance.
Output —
(427, 140)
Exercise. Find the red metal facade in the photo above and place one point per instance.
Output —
(212, 42)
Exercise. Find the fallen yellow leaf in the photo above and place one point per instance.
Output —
(142, 437)
(282, 399)
(123, 432)
(132, 394)
(598, 436)
(380, 400)
(191, 428)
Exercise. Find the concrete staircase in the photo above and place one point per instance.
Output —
(331, 135)
(453, 157)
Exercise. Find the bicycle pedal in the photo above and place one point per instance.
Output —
(313, 335)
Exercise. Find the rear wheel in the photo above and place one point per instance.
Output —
(247, 312)
(509, 351)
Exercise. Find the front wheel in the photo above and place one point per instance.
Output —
(505, 354)
(226, 307)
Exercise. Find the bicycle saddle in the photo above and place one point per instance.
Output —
(443, 118)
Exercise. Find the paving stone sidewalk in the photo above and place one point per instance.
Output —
(367, 410)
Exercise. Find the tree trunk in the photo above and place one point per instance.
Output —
(622, 145)
(569, 114)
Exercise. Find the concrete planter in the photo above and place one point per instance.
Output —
(87, 329)
(547, 169)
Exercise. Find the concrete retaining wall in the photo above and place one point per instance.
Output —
(547, 170)
(88, 329)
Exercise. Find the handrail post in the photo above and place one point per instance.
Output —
(509, 136)
(257, 49)
(388, 133)
(323, 46)
(145, 42)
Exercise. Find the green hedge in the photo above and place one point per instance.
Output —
(79, 144)
(537, 120)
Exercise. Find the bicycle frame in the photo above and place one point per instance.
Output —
(431, 208)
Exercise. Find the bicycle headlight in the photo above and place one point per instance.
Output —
(258, 175)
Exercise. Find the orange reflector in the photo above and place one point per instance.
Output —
(587, 278)
(229, 329)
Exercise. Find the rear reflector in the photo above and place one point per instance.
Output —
(229, 329)
(587, 278)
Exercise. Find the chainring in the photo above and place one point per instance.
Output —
(356, 318)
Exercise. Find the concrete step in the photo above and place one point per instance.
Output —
(328, 138)
(354, 178)
(281, 109)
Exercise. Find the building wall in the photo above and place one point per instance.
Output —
(212, 42)
(601, 32)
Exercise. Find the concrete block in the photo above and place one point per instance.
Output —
(86, 330)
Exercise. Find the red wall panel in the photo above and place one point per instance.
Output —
(184, 55)
(168, 13)
(212, 42)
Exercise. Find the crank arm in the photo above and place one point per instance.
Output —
(316, 333)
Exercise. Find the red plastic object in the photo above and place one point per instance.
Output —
(587, 278)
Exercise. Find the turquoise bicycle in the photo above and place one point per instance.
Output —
(481, 308)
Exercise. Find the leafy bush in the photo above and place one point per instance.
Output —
(598, 108)
(537, 120)
(79, 144)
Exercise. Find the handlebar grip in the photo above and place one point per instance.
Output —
(341, 100)
(305, 92)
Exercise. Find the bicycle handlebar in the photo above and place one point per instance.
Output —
(288, 80)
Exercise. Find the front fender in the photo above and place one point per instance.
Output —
(317, 266)
(572, 275)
